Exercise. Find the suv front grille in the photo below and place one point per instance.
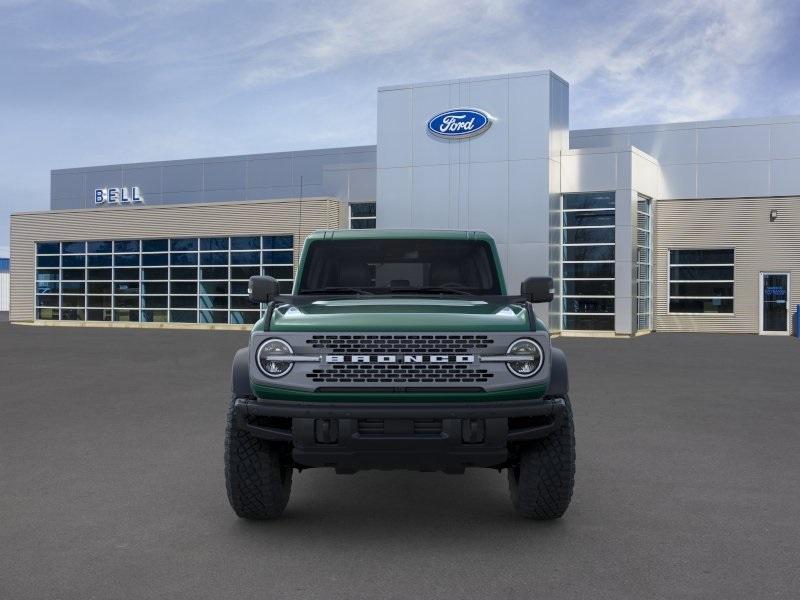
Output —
(399, 344)
(399, 373)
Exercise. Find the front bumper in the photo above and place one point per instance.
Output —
(430, 437)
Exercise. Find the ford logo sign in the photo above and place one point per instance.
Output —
(459, 123)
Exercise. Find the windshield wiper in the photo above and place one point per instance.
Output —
(336, 289)
(431, 290)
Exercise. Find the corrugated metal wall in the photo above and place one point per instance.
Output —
(298, 217)
(742, 224)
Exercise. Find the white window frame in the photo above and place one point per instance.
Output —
(670, 281)
(649, 214)
(563, 262)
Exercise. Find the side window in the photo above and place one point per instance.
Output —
(701, 281)
(362, 215)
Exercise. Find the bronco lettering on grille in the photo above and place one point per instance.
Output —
(399, 358)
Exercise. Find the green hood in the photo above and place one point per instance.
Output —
(401, 314)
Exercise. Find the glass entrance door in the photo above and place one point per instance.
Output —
(774, 317)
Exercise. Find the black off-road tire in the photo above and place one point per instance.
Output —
(542, 481)
(256, 478)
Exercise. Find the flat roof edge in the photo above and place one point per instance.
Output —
(547, 72)
(686, 125)
(215, 159)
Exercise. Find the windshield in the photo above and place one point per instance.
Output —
(399, 266)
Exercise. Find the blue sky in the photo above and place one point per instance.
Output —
(93, 82)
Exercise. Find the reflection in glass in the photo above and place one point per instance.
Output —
(166, 287)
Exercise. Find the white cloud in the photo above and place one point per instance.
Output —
(324, 39)
(627, 61)
(690, 62)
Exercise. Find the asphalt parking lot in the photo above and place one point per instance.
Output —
(111, 479)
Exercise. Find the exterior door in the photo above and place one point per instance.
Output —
(774, 304)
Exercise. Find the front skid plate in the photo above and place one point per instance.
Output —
(334, 436)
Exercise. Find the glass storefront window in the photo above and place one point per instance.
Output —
(47, 287)
(73, 247)
(73, 260)
(217, 243)
(99, 247)
(126, 246)
(99, 301)
(155, 301)
(48, 314)
(587, 261)
(126, 260)
(701, 281)
(276, 242)
(103, 287)
(73, 287)
(363, 215)
(589, 322)
(214, 272)
(183, 258)
(213, 316)
(100, 260)
(154, 260)
(214, 287)
(244, 258)
(183, 244)
(589, 201)
(48, 248)
(643, 266)
(214, 258)
(245, 243)
(155, 245)
(47, 261)
(98, 315)
(99, 274)
(276, 257)
(155, 316)
(588, 253)
(183, 280)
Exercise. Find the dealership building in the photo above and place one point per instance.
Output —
(672, 227)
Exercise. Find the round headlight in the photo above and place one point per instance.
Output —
(530, 359)
(274, 348)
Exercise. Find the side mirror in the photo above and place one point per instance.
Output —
(262, 289)
(538, 289)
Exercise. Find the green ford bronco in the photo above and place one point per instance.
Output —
(399, 350)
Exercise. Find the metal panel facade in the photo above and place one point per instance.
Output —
(293, 216)
(486, 182)
(759, 245)
(223, 179)
(712, 159)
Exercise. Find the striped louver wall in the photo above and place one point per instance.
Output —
(759, 245)
(291, 216)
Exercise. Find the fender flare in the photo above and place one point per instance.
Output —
(240, 374)
(559, 374)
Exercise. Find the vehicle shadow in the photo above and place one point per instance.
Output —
(400, 505)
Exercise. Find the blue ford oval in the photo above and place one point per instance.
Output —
(460, 123)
